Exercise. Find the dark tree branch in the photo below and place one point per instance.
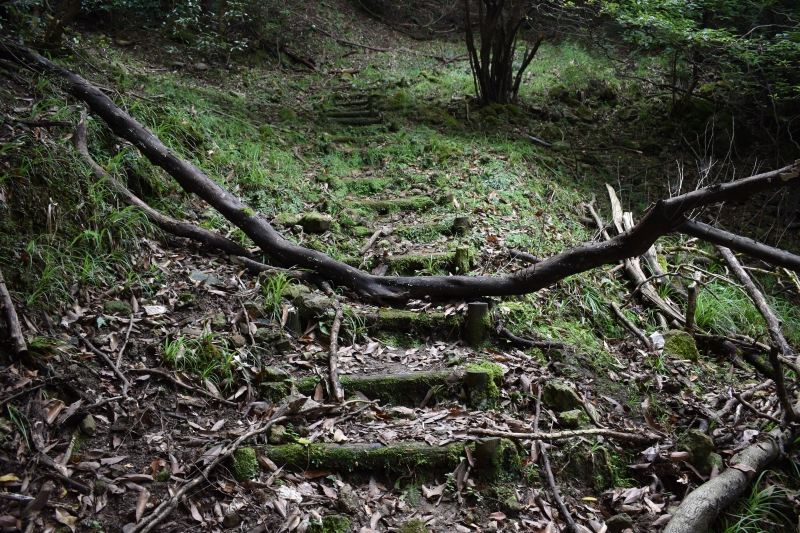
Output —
(663, 217)
(744, 245)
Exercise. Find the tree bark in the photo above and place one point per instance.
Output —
(14, 330)
(663, 217)
(700, 508)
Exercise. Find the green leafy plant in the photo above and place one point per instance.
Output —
(273, 291)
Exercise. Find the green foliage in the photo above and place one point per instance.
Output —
(273, 291)
(740, 39)
(208, 357)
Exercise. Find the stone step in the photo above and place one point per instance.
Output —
(352, 113)
(354, 139)
(384, 207)
(357, 121)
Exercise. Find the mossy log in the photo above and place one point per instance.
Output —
(396, 389)
(400, 458)
(354, 139)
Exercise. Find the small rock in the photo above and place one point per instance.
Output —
(297, 229)
(584, 113)
(88, 425)
(697, 443)
(127, 528)
(315, 222)
(348, 501)
(115, 307)
(550, 132)
(231, 520)
(572, 418)
(510, 506)
(312, 304)
(277, 435)
(627, 114)
(201, 66)
(219, 321)
(680, 345)
(273, 373)
(239, 340)
(706, 465)
(560, 396)
(121, 424)
(210, 279)
(619, 523)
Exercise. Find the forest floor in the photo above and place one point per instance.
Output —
(370, 159)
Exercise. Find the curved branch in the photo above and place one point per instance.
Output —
(170, 225)
(663, 217)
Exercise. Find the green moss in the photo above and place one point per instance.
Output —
(495, 372)
(384, 207)
(681, 345)
(113, 307)
(401, 320)
(247, 211)
(244, 464)
(332, 524)
(424, 232)
(162, 476)
(365, 186)
(361, 231)
(413, 526)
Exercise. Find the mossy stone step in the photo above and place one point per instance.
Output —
(495, 458)
(352, 113)
(363, 185)
(394, 389)
(397, 458)
(356, 121)
(354, 139)
(385, 207)
(425, 232)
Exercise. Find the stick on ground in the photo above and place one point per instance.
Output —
(333, 360)
(12, 321)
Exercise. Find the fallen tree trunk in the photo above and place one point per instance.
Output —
(663, 217)
(702, 506)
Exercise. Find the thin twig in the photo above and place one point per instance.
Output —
(630, 325)
(162, 374)
(333, 359)
(125, 383)
(638, 436)
(754, 410)
(125, 342)
(12, 321)
(733, 402)
(166, 507)
(527, 343)
(25, 390)
(542, 449)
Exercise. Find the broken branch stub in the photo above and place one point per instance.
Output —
(663, 217)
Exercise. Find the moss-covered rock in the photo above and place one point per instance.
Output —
(696, 443)
(681, 345)
(314, 222)
(619, 523)
(244, 464)
(347, 499)
(572, 418)
(332, 524)
(311, 305)
(116, 307)
(414, 526)
(706, 465)
(560, 396)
